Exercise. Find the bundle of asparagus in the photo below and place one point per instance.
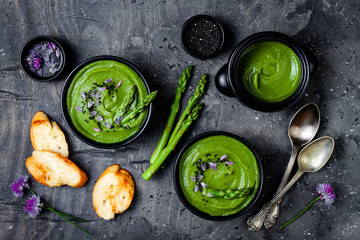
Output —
(169, 138)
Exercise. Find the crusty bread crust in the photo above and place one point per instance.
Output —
(54, 170)
(113, 192)
(46, 135)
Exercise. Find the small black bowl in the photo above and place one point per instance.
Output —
(180, 193)
(226, 80)
(202, 36)
(68, 120)
(25, 51)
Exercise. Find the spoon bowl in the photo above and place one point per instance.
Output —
(304, 125)
(314, 156)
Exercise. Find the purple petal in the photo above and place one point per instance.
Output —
(92, 93)
(212, 165)
(97, 129)
(109, 80)
(193, 178)
(98, 95)
(48, 51)
(78, 108)
(93, 113)
(90, 104)
(108, 125)
(102, 89)
(118, 85)
(223, 157)
(199, 177)
(118, 120)
(83, 95)
(196, 188)
(209, 195)
(99, 118)
(34, 206)
(229, 162)
(204, 185)
(97, 102)
(203, 167)
(57, 53)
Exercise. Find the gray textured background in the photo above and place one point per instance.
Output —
(147, 34)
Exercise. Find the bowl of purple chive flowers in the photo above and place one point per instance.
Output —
(42, 58)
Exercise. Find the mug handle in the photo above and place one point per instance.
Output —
(221, 82)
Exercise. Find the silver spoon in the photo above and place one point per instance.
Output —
(311, 159)
(302, 129)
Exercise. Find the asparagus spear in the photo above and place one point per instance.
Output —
(172, 144)
(174, 111)
(192, 101)
(227, 194)
(139, 107)
(125, 105)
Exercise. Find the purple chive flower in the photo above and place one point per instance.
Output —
(223, 157)
(193, 178)
(57, 53)
(118, 85)
(108, 125)
(33, 60)
(90, 104)
(199, 177)
(102, 89)
(204, 185)
(326, 193)
(109, 80)
(92, 93)
(229, 163)
(18, 186)
(196, 188)
(78, 108)
(98, 95)
(93, 113)
(209, 195)
(34, 206)
(99, 118)
(203, 167)
(83, 95)
(97, 102)
(97, 129)
(118, 120)
(212, 165)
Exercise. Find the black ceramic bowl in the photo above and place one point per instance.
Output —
(25, 52)
(180, 193)
(67, 116)
(227, 79)
(202, 36)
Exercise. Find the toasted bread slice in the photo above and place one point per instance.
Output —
(46, 135)
(54, 170)
(113, 192)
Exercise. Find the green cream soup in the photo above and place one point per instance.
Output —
(219, 175)
(270, 71)
(95, 96)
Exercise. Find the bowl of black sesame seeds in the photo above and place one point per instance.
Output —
(202, 36)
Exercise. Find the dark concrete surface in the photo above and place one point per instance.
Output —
(147, 34)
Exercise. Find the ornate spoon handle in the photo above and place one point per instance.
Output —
(270, 219)
(269, 212)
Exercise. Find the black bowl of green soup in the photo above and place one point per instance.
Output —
(218, 176)
(98, 94)
(267, 71)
